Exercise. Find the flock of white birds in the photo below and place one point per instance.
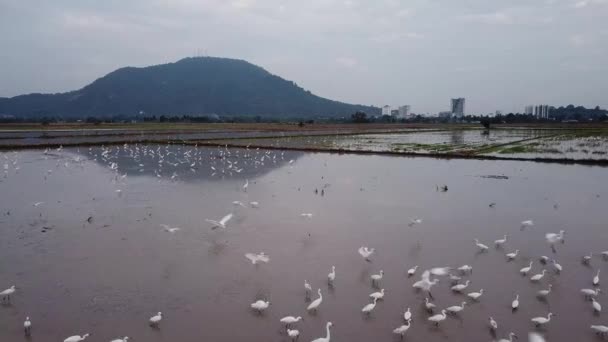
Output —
(221, 164)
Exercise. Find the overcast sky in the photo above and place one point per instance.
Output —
(498, 54)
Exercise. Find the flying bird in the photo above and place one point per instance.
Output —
(221, 223)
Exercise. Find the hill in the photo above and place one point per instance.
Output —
(191, 86)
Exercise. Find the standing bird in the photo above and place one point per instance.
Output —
(369, 307)
(538, 321)
(366, 252)
(246, 185)
(508, 339)
(589, 293)
(601, 330)
(407, 315)
(27, 326)
(331, 276)
(500, 242)
(587, 258)
(493, 324)
(260, 305)
(475, 295)
(544, 293)
(596, 279)
(403, 329)
(428, 305)
(377, 277)
(76, 338)
(438, 318)
(124, 339)
(481, 246)
(524, 271)
(515, 303)
(538, 277)
(6, 294)
(456, 308)
(511, 256)
(465, 269)
(558, 267)
(527, 223)
(412, 271)
(553, 238)
(327, 334)
(307, 289)
(460, 287)
(378, 295)
(289, 320)
(315, 303)
(155, 320)
(294, 334)
(596, 306)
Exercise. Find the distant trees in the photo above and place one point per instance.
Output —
(359, 117)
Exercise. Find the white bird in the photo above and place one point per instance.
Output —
(246, 185)
(511, 256)
(239, 203)
(38, 204)
(440, 271)
(412, 271)
(403, 329)
(331, 276)
(315, 303)
(377, 277)
(428, 305)
(378, 295)
(76, 338)
(538, 321)
(307, 288)
(515, 303)
(587, 258)
(604, 254)
(465, 268)
(590, 293)
(596, 279)
(260, 305)
(525, 270)
(475, 295)
(6, 294)
(544, 259)
(535, 337)
(257, 205)
(294, 334)
(509, 338)
(545, 293)
(169, 229)
(327, 334)
(425, 282)
(456, 308)
(553, 238)
(558, 267)
(596, 306)
(539, 276)
(221, 223)
(460, 287)
(481, 246)
(306, 215)
(600, 329)
(500, 242)
(527, 223)
(407, 315)
(155, 320)
(124, 339)
(493, 324)
(369, 307)
(366, 252)
(27, 325)
(438, 318)
(415, 222)
(255, 258)
(454, 279)
(289, 320)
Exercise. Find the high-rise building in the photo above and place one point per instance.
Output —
(386, 110)
(404, 111)
(541, 111)
(529, 110)
(458, 107)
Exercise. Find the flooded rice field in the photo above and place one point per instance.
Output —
(86, 236)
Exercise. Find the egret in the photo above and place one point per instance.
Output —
(545, 293)
(454, 279)
(76, 338)
(403, 329)
(596, 306)
(527, 223)
(600, 329)
(260, 305)
(538, 321)
(294, 334)
(456, 308)
(256, 205)
(465, 268)
(460, 287)
(246, 185)
(438, 318)
(369, 307)
(589, 293)
(6, 294)
(538, 277)
(508, 339)
(155, 320)
(124, 339)
(331, 276)
(366, 252)
(425, 282)
(511, 256)
(525, 270)
(587, 258)
(475, 295)
(428, 305)
(481, 246)
(169, 229)
(500, 242)
(378, 295)
(493, 324)
(414, 222)
(558, 267)
(289, 320)
(596, 279)
(221, 223)
(535, 337)
(315, 303)
(27, 325)
(306, 215)
(553, 238)
(307, 288)
(377, 277)
(327, 336)
(544, 259)
(239, 203)
(515, 303)
(407, 315)
(255, 258)
(412, 271)
(440, 271)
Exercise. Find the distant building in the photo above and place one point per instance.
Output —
(458, 107)
(529, 110)
(498, 113)
(539, 111)
(404, 111)
(395, 113)
(386, 110)
(445, 115)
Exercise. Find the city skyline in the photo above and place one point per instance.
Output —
(497, 56)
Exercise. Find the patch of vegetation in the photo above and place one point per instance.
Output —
(518, 149)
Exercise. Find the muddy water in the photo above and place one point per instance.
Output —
(107, 277)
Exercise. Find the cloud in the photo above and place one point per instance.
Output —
(490, 18)
(347, 62)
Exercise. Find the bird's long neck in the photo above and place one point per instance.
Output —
(328, 332)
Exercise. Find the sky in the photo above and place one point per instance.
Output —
(499, 55)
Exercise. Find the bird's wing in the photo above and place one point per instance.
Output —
(213, 222)
(426, 275)
(362, 251)
(225, 219)
(252, 257)
(535, 337)
(440, 271)
(264, 258)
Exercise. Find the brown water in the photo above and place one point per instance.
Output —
(109, 276)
